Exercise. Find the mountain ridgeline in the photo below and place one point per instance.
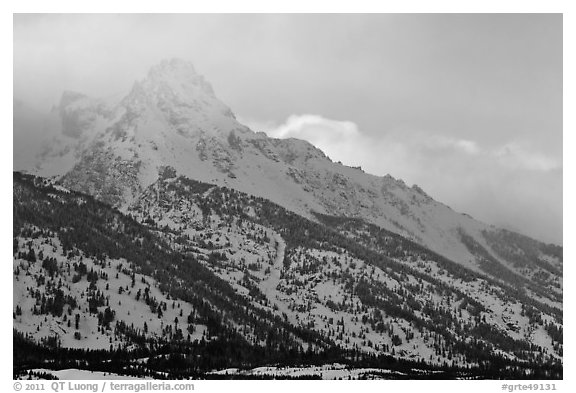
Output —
(114, 150)
(157, 236)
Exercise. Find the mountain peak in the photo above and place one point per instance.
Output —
(177, 68)
(187, 100)
(175, 63)
(178, 74)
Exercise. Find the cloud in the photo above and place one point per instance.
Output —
(342, 140)
(316, 128)
(446, 143)
(510, 185)
(517, 156)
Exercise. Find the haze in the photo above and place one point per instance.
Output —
(469, 107)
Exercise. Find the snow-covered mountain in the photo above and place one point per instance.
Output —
(204, 281)
(114, 150)
(251, 251)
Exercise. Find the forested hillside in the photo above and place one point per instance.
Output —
(195, 278)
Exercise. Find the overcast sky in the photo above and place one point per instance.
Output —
(469, 107)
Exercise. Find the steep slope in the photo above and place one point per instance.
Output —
(224, 280)
(335, 269)
(94, 289)
(173, 118)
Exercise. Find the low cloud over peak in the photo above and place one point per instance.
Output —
(511, 185)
